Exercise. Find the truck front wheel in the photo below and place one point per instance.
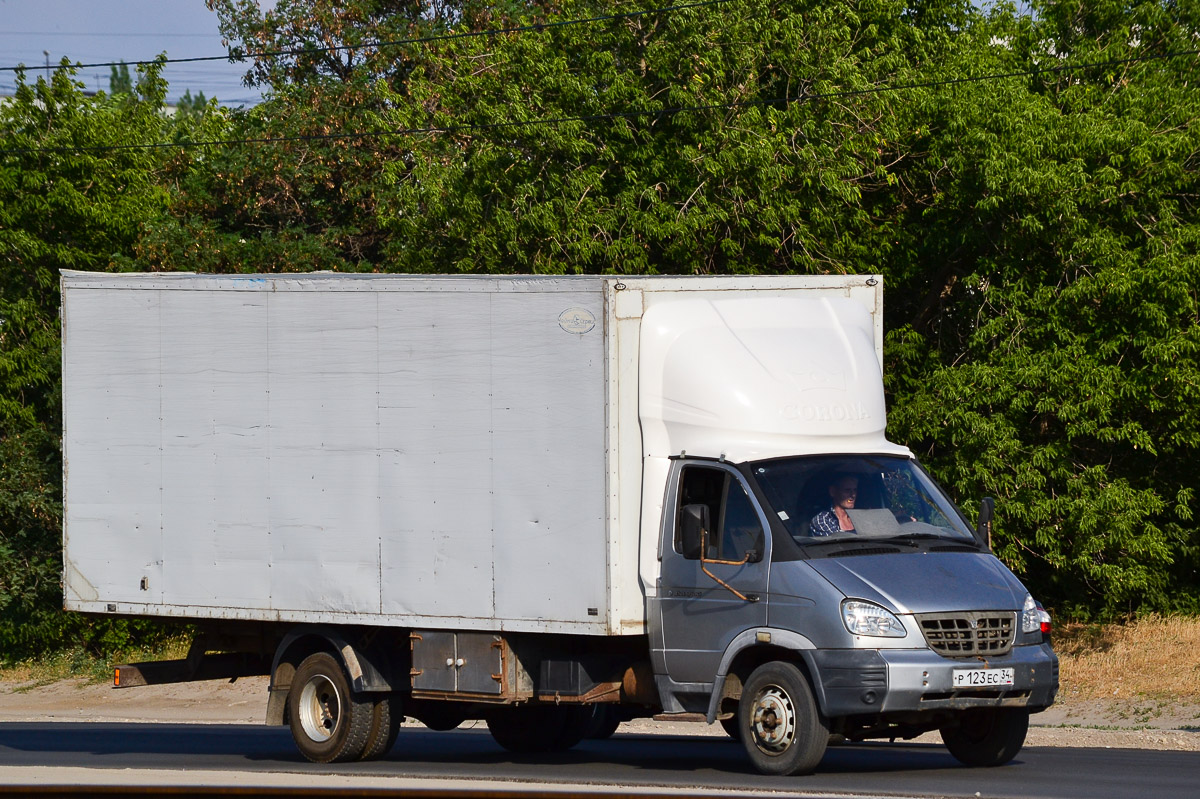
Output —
(779, 721)
(987, 737)
(329, 723)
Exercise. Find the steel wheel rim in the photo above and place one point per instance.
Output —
(773, 720)
(319, 708)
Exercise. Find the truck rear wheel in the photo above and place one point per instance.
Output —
(781, 726)
(386, 718)
(539, 728)
(987, 737)
(603, 721)
(329, 723)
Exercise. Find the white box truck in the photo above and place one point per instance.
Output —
(552, 503)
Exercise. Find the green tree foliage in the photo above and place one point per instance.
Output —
(1037, 232)
(119, 81)
(317, 40)
(191, 107)
(749, 179)
(1044, 321)
(306, 194)
(685, 148)
(63, 205)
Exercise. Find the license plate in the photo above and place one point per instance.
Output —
(982, 678)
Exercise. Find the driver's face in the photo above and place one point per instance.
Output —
(844, 492)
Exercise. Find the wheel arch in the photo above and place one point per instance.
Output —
(367, 667)
(749, 650)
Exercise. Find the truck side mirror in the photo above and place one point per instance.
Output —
(693, 521)
(987, 509)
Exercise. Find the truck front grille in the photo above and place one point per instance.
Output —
(968, 634)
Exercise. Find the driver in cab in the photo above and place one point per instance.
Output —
(843, 491)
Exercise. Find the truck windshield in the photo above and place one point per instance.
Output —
(845, 497)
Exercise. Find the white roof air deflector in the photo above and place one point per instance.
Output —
(761, 377)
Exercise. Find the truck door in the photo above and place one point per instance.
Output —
(703, 612)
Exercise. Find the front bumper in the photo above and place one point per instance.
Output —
(878, 681)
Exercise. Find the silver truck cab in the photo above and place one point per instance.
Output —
(785, 627)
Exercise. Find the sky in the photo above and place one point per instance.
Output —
(94, 31)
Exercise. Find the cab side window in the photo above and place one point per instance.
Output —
(741, 530)
(733, 523)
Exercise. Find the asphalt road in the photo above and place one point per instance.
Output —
(635, 760)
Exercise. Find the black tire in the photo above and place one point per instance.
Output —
(329, 723)
(987, 737)
(539, 728)
(602, 722)
(782, 728)
(386, 718)
(730, 725)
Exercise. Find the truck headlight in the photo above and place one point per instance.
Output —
(1034, 618)
(867, 618)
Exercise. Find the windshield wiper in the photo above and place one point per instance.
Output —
(912, 538)
(822, 540)
(853, 542)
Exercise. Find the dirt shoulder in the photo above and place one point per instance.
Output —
(1139, 723)
(1119, 724)
(210, 702)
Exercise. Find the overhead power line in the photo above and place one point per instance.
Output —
(109, 34)
(474, 128)
(540, 26)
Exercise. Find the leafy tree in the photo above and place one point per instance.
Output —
(1037, 232)
(709, 140)
(1044, 335)
(301, 41)
(191, 107)
(119, 81)
(66, 202)
(306, 192)
(748, 180)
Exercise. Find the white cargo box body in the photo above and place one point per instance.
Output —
(452, 452)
